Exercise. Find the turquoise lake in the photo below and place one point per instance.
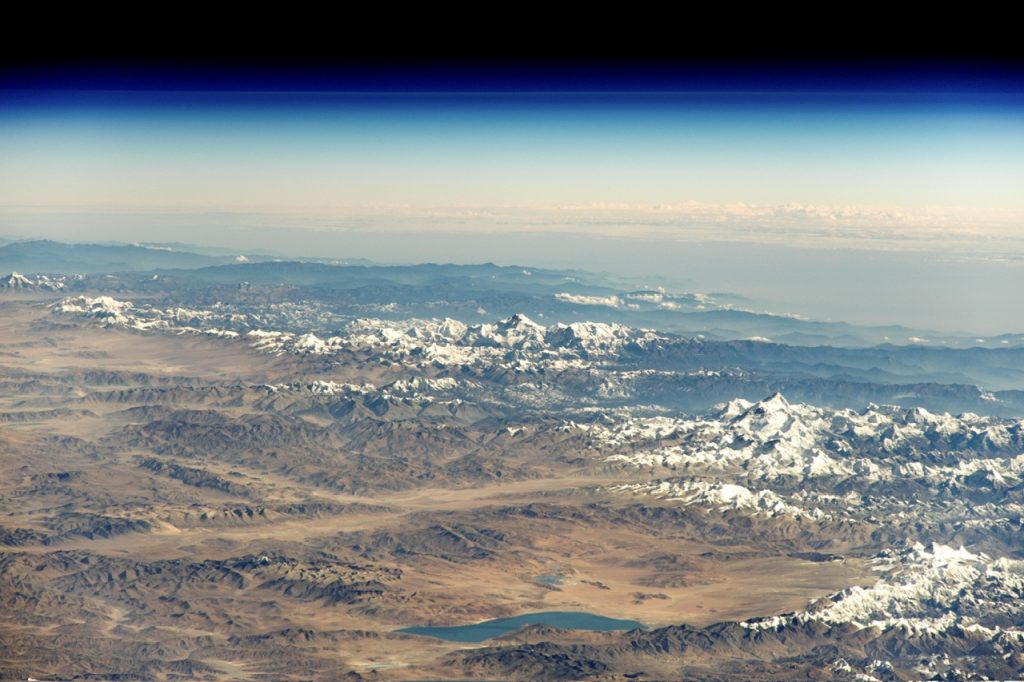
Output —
(478, 632)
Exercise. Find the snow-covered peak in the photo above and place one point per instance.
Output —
(734, 408)
(923, 589)
(107, 310)
(776, 402)
(925, 582)
(16, 280)
(419, 385)
(519, 322)
(773, 437)
(774, 412)
(518, 331)
(321, 387)
(594, 337)
(310, 343)
(716, 495)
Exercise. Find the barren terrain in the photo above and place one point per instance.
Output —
(191, 503)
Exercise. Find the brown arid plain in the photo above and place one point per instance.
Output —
(162, 518)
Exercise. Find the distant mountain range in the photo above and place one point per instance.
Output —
(473, 293)
(52, 257)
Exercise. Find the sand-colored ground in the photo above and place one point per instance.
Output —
(463, 550)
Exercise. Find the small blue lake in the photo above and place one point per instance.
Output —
(478, 632)
(549, 580)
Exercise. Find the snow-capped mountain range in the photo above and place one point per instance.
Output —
(927, 590)
(941, 489)
(442, 342)
(773, 438)
(16, 280)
